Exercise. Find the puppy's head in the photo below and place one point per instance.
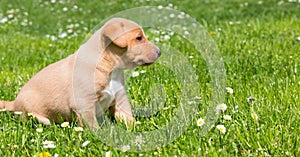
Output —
(127, 40)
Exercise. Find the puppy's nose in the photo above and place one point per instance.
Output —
(158, 53)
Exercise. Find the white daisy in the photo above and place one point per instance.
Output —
(108, 154)
(65, 9)
(229, 90)
(221, 107)
(78, 128)
(139, 140)
(166, 37)
(135, 74)
(227, 117)
(62, 35)
(200, 122)
(39, 130)
(49, 144)
(65, 124)
(125, 148)
(221, 128)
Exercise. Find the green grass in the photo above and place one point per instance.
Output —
(257, 40)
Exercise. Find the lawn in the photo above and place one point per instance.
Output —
(258, 44)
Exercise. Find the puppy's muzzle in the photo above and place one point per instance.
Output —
(158, 53)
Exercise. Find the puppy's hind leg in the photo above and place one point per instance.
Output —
(42, 119)
(7, 105)
(2, 105)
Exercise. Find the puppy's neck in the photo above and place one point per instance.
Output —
(111, 58)
(106, 64)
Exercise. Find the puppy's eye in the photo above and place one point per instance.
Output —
(139, 38)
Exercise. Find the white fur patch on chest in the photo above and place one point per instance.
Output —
(109, 94)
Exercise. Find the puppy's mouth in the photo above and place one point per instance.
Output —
(143, 63)
(147, 64)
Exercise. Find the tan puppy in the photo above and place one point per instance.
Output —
(91, 80)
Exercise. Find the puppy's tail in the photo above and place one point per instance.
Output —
(6, 104)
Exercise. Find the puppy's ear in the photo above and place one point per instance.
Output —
(115, 32)
(119, 41)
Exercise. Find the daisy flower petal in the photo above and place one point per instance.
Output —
(84, 144)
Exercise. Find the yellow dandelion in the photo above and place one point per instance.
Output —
(30, 115)
(200, 122)
(166, 108)
(212, 32)
(43, 154)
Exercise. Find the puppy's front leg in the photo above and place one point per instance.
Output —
(87, 116)
(91, 120)
(121, 109)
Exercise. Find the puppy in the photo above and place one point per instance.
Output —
(91, 80)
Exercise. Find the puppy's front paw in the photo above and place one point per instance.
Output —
(127, 119)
